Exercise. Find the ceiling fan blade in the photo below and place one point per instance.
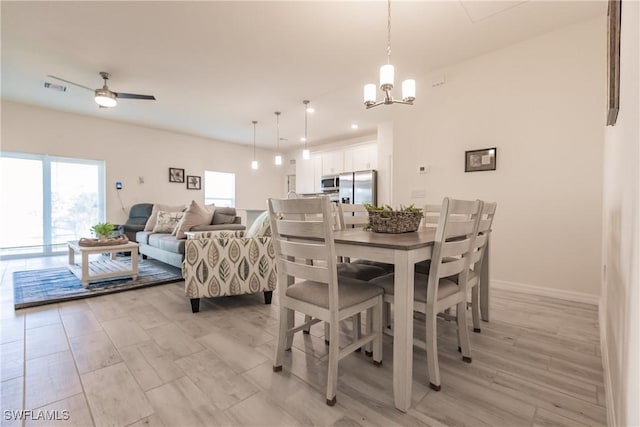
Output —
(133, 96)
(67, 81)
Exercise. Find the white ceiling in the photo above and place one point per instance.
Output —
(216, 66)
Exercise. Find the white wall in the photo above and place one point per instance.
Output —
(130, 151)
(620, 314)
(541, 103)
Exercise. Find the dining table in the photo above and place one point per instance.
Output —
(403, 250)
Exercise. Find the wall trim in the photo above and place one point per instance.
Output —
(604, 351)
(547, 292)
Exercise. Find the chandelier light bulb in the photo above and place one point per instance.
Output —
(370, 93)
(386, 76)
(254, 164)
(408, 90)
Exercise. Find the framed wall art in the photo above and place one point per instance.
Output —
(176, 175)
(480, 160)
(614, 18)
(193, 182)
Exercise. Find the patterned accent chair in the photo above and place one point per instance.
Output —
(226, 263)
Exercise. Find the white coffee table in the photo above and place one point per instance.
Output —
(90, 271)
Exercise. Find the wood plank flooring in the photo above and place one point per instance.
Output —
(141, 358)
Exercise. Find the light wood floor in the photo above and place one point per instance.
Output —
(142, 358)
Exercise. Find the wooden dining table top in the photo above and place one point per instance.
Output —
(403, 241)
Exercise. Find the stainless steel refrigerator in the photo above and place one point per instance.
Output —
(359, 187)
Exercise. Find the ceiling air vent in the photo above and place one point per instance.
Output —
(59, 88)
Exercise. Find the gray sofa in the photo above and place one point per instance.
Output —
(167, 248)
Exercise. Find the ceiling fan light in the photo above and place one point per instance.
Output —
(105, 98)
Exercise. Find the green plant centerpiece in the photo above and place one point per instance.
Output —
(385, 219)
(103, 230)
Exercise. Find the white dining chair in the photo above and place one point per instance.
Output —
(302, 231)
(451, 257)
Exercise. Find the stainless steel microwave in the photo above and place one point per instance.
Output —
(330, 183)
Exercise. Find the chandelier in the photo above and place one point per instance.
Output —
(386, 79)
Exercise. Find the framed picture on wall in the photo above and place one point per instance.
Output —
(480, 160)
(613, 61)
(176, 175)
(193, 182)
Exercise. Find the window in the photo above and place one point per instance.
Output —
(46, 201)
(220, 188)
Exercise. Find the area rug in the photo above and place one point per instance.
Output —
(51, 285)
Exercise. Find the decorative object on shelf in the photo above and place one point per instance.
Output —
(480, 160)
(278, 158)
(387, 220)
(306, 155)
(107, 241)
(386, 79)
(614, 19)
(193, 182)
(176, 175)
(254, 162)
(103, 230)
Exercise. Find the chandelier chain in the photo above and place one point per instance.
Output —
(388, 31)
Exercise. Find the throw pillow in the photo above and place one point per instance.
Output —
(166, 221)
(261, 226)
(151, 222)
(224, 216)
(194, 215)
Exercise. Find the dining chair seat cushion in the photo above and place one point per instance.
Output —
(360, 271)
(447, 286)
(387, 267)
(350, 292)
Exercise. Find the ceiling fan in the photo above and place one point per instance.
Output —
(105, 97)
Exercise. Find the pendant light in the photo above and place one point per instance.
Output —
(386, 79)
(278, 158)
(254, 162)
(306, 155)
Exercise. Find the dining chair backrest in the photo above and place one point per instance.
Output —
(431, 215)
(484, 229)
(302, 236)
(454, 243)
(352, 216)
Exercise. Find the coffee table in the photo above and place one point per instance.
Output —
(90, 271)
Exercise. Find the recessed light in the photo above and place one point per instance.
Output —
(354, 126)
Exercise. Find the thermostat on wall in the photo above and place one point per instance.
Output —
(118, 185)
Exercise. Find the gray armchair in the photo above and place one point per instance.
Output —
(138, 216)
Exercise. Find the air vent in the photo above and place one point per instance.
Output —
(54, 86)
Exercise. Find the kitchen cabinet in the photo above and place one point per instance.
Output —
(308, 174)
(332, 163)
(360, 158)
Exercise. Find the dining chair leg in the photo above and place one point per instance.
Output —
(327, 333)
(369, 321)
(463, 332)
(283, 332)
(376, 323)
(291, 319)
(475, 308)
(387, 315)
(307, 329)
(332, 371)
(356, 320)
(432, 349)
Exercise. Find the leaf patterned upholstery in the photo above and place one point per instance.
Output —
(224, 265)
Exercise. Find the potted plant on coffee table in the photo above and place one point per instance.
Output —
(103, 230)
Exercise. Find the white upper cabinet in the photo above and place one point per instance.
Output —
(332, 163)
(361, 157)
(308, 174)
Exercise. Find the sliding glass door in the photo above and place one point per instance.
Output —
(46, 201)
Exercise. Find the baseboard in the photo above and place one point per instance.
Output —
(547, 292)
(608, 385)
